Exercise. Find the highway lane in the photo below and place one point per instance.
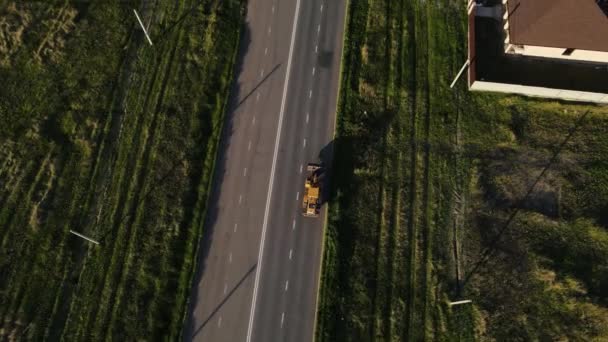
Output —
(285, 296)
(288, 287)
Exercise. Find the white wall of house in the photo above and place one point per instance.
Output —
(550, 52)
(569, 95)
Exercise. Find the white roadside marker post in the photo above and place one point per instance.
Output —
(82, 236)
(460, 302)
(142, 26)
(466, 64)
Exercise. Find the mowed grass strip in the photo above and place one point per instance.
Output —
(123, 152)
(397, 124)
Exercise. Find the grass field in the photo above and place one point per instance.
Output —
(426, 176)
(106, 135)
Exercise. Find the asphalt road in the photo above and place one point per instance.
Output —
(257, 276)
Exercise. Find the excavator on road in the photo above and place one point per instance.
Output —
(311, 202)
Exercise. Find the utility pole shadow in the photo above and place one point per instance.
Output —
(256, 87)
(190, 337)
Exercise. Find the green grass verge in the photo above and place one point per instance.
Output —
(423, 177)
(105, 135)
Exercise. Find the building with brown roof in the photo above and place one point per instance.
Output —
(568, 29)
(544, 48)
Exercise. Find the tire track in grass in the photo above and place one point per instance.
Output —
(106, 256)
(382, 261)
(412, 198)
(102, 163)
(19, 213)
(124, 186)
(138, 183)
(426, 205)
(99, 177)
(395, 308)
(45, 242)
(397, 230)
(119, 191)
(6, 218)
(420, 225)
(143, 179)
(7, 212)
(392, 176)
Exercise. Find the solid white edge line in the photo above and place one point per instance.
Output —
(258, 270)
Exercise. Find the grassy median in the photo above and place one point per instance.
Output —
(425, 178)
(103, 134)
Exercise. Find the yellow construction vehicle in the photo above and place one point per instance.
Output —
(312, 190)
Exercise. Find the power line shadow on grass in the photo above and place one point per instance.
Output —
(219, 306)
(490, 250)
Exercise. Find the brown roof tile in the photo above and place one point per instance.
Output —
(577, 24)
